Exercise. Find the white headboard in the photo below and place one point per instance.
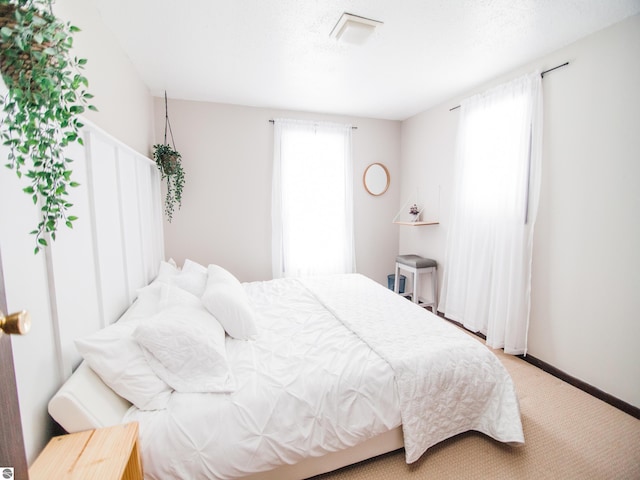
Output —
(115, 250)
(115, 246)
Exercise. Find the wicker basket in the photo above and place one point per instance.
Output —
(169, 164)
(13, 62)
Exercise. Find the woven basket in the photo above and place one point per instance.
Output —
(12, 62)
(169, 164)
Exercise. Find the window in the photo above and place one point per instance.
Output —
(312, 206)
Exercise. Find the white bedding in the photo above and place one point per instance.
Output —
(306, 386)
(336, 361)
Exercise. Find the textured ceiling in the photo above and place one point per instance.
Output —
(278, 53)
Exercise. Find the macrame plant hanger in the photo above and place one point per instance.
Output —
(167, 123)
(168, 161)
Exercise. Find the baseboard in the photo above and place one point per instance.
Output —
(584, 386)
(565, 377)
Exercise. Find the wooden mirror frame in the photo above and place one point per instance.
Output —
(373, 180)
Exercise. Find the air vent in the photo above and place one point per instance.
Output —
(354, 29)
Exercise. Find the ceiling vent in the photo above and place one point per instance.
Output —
(354, 29)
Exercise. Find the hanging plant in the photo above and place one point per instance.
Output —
(169, 162)
(46, 94)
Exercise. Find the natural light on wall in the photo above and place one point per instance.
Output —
(312, 208)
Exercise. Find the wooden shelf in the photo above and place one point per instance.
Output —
(416, 224)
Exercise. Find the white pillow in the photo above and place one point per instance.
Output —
(172, 295)
(166, 271)
(151, 291)
(185, 346)
(146, 303)
(192, 278)
(225, 298)
(217, 274)
(119, 361)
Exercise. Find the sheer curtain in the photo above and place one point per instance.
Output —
(312, 199)
(487, 279)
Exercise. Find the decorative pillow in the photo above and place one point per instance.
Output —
(192, 278)
(225, 298)
(216, 274)
(185, 346)
(156, 296)
(152, 291)
(119, 361)
(172, 295)
(167, 271)
(146, 303)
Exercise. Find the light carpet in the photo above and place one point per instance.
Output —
(569, 434)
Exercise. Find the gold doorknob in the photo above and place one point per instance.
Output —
(18, 323)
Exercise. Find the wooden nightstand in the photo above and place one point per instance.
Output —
(102, 454)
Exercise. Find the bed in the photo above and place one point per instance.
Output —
(282, 379)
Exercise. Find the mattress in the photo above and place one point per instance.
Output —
(337, 361)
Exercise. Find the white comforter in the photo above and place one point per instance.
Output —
(447, 382)
(338, 360)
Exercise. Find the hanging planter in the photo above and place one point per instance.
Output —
(169, 162)
(46, 95)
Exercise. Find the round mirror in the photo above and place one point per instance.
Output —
(376, 179)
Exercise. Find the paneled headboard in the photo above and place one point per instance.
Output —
(118, 236)
(91, 273)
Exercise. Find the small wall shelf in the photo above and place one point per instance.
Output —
(403, 217)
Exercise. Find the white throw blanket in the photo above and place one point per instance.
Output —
(447, 382)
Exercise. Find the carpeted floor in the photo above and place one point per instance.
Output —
(568, 435)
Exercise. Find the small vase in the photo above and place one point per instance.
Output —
(414, 217)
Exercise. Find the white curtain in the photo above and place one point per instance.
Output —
(312, 199)
(487, 278)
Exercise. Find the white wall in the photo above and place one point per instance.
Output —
(125, 107)
(427, 146)
(586, 262)
(225, 218)
(43, 357)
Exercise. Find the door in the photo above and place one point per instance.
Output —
(12, 453)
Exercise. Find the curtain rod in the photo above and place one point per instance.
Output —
(541, 75)
(354, 128)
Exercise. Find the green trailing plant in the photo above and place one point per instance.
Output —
(46, 95)
(169, 162)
